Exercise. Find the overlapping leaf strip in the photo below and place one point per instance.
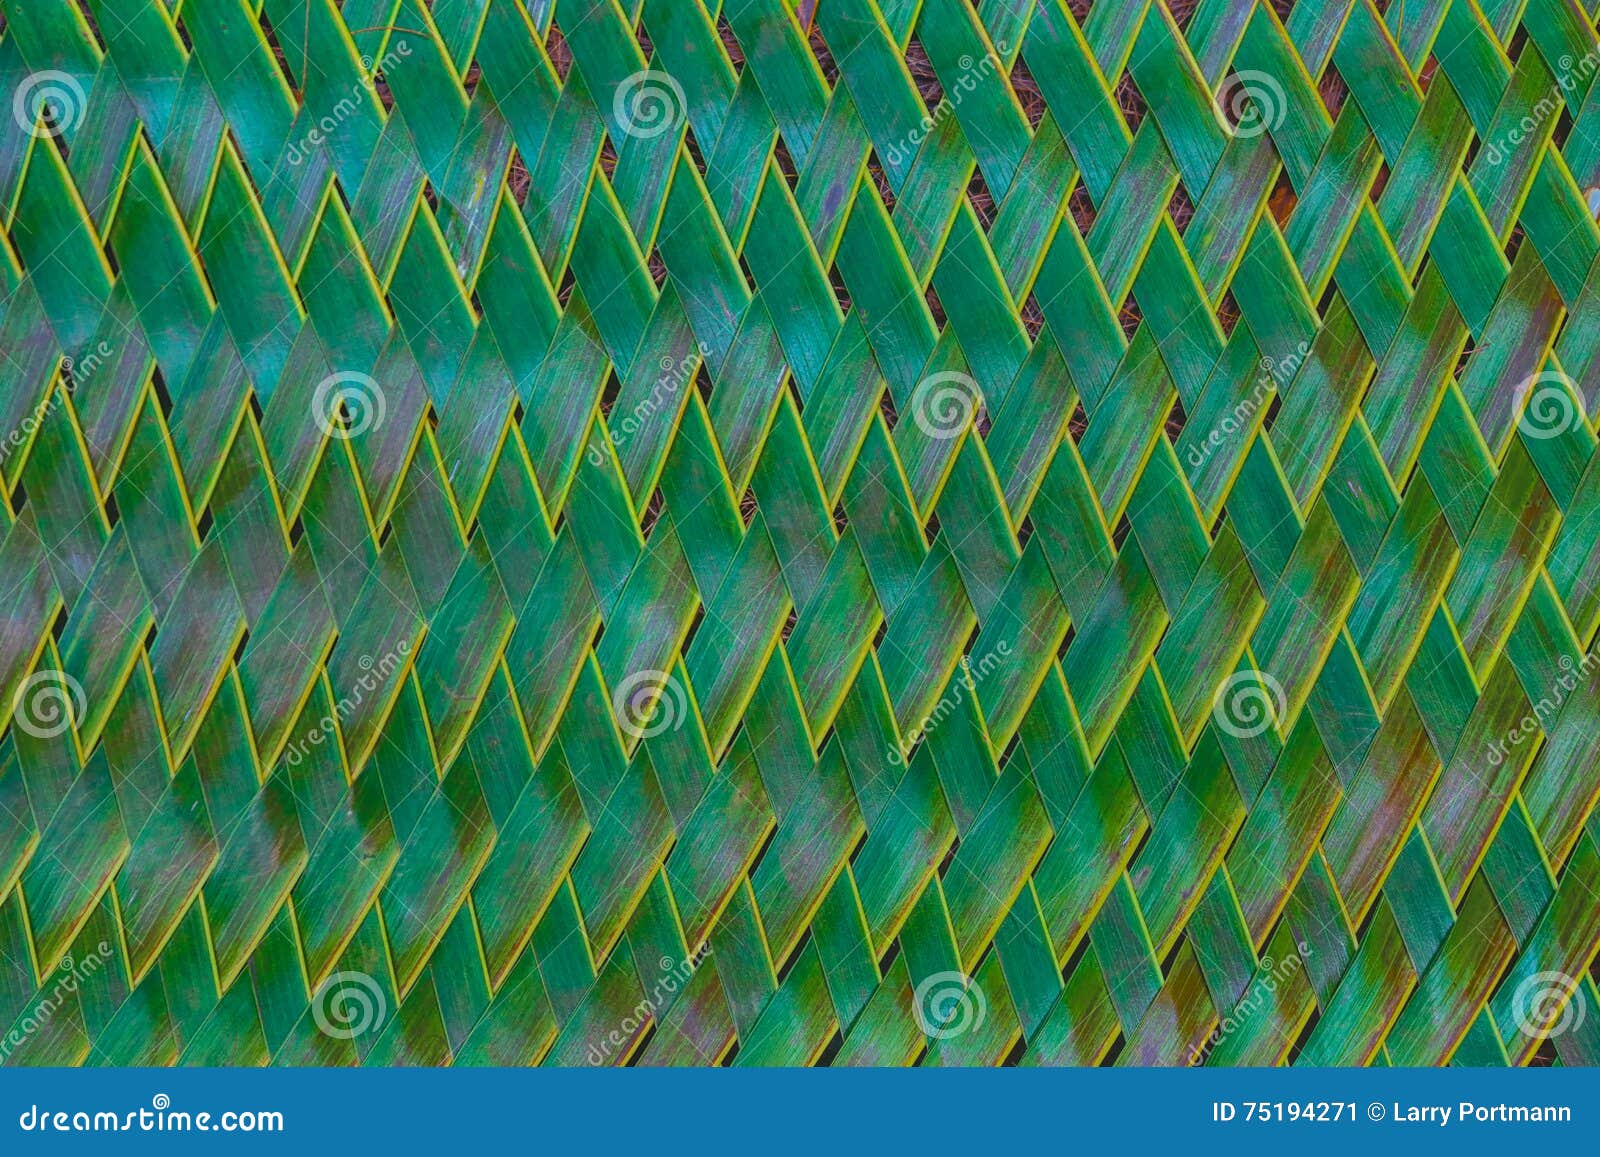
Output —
(1217, 689)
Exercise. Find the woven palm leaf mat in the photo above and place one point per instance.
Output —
(860, 532)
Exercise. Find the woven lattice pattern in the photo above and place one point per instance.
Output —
(772, 532)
